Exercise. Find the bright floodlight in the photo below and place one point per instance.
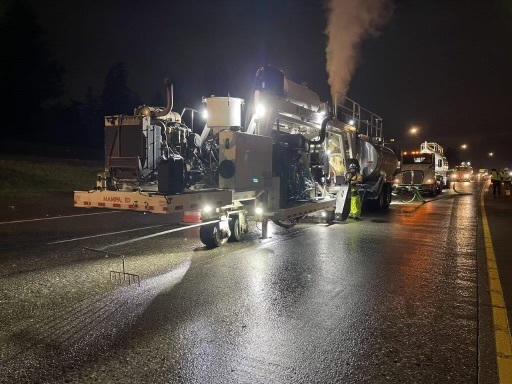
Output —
(207, 208)
(260, 110)
(351, 122)
(414, 130)
(205, 114)
(464, 146)
(258, 211)
(491, 154)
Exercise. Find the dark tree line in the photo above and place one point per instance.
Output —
(35, 107)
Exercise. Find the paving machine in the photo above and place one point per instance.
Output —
(286, 161)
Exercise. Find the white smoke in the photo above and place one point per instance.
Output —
(348, 23)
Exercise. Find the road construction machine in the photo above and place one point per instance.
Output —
(285, 161)
(426, 170)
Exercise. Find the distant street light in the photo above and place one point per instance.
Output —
(491, 154)
(414, 130)
(464, 146)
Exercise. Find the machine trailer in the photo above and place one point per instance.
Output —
(287, 161)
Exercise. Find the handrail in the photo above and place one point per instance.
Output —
(351, 113)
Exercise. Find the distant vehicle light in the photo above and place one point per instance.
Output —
(429, 181)
(205, 114)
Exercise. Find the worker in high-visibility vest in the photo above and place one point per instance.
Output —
(507, 180)
(496, 177)
(355, 200)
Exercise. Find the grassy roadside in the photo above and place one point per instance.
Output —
(43, 176)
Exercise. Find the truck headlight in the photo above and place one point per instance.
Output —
(207, 208)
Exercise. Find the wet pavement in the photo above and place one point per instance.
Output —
(399, 296)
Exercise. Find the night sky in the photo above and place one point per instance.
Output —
(445, 66)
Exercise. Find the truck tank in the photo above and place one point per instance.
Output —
(376, 160)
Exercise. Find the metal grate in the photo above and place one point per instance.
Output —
(417, 177)
(407, 177)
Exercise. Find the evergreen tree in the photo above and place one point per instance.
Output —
(29, 76)
(117, 97)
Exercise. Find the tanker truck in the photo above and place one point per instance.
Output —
(285, 161)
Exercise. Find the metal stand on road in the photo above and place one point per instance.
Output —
(264, 228)
(131, 276)
(118, 275)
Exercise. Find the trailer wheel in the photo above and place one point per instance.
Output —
(329, 216)
(238, 227)
(211, 235)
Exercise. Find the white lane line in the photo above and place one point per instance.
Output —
(105, 234)
(158, 234)
(56, 217)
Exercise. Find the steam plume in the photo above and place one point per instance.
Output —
(348, 23)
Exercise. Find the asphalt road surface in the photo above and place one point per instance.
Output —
(400, 296)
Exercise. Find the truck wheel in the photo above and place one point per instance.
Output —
(211, 235)
(386, 190)
(384, 199)
(238, 227)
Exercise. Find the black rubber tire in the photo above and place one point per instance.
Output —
(237, 234)
(386, 192)
(211, 236)
(330, 216)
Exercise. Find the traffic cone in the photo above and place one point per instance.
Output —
(190, 217)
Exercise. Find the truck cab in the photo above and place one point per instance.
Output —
(463, 172)
(426, 169)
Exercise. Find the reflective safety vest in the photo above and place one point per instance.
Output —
(496, 175)
(356, 179)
